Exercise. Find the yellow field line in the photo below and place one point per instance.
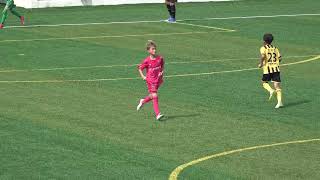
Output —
(175, 173)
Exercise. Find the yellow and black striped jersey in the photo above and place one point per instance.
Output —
(271, 63)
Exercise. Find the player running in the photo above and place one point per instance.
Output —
(12, 8)
(270, 63)
(154, 66)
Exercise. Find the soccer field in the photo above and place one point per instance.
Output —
(69, 88)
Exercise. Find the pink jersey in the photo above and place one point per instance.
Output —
(154, 69)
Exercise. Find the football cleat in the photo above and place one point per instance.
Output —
(172, 20)
(1, 26)
(160, 116)
(279, 105)
(140, 104)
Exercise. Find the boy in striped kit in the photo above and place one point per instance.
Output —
(270, 63)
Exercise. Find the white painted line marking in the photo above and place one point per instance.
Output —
(169, 76)
(208, 27)
(159, 21)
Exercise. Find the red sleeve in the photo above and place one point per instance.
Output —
(143, 65)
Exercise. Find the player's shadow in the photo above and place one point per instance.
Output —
(169, 117)
(297, 103)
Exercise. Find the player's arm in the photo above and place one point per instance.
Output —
(142, 75)
(162, 68)
(279, 55)
(280, 58)
(262, 58)
(141, 67)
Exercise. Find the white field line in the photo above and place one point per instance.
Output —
(65, 81)
(208, 27)
(66, 68)
(161, 21)
(169, 76)
(133, 65)
(252, 17)
(82, 24)
(99, 37)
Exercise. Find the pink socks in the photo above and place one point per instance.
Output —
(156, 105)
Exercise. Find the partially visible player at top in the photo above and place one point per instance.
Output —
(171, 6)
(154, 66)
(270, 63)
(12, 8)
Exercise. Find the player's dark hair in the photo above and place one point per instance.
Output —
(268, 38)
(150, 44)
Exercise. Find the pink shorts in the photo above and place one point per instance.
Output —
(153, 87)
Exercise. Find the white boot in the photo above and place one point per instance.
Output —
(279, 105)
(159, 116)
(140, 104)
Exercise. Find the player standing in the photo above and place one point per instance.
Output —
(171, 6)
(12, 8)
(154, 66)
(270, 63)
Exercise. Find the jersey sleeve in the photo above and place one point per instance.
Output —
(143, 65)
(278, 54)
(262, 51)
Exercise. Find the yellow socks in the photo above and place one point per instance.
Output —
(271, 91)
(279, 96)
(267, 87)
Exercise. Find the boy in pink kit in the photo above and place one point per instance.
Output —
(154, 65)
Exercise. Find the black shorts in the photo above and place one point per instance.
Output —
(275, 77)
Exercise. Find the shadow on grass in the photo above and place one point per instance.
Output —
(296, 103)
(171, 117)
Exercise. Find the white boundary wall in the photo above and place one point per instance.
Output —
(63, 3)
